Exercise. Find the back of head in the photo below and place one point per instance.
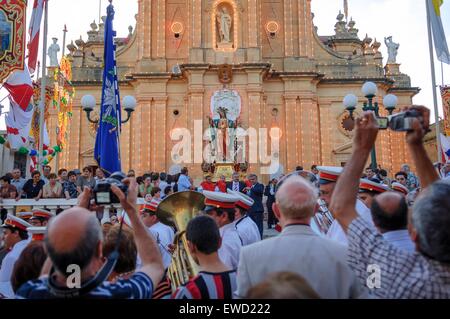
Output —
(296, 198)
(29, 265)
(431, 219)
(73, 238)
(163, 176)
(390, 212)
(283, 285)
(127, 249)
(203, 232)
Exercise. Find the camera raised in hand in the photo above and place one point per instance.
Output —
(102, 191)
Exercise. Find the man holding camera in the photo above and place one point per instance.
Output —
(74, 243)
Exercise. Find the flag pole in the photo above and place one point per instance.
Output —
(433, 80)
(43, 86)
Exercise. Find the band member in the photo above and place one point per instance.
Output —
(369, 189)
(15, 238)
(40, 217)
(37, 233)
(399, 188)
(221, 207)
(328, 178)
(247, 229)
(215, 279)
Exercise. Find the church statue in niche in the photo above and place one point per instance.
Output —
(224, 23)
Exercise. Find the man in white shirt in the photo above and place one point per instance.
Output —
(221, 207)
(16, 239)
(163, 234)
(328, 178)
(17, 181)
(368, 190)
(163, 183)
(247, 229)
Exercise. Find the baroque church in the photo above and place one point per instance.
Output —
(256, 64)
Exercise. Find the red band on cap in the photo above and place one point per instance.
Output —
(328, 177)
(37, 237)
(242, 205)
(40, 214)
(15, 224)
(371, 188)
(210, 202)
(400, 189)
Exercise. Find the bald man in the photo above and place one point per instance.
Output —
(75, 237)
(390, 216)
(322, 262)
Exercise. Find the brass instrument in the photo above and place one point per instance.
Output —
(176, 211)
(323, 217)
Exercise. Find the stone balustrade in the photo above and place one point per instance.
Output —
(12, 206)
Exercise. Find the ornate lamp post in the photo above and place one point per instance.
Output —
(369, 90)
(88, 104)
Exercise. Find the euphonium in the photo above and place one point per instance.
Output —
(323, 217)
(176, 211)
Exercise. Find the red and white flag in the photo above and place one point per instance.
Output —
(20, 86)
(35, 26)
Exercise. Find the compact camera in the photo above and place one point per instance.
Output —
(401, 122)
(102, 191)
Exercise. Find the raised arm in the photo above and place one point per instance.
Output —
(344, 196)
(414, 139)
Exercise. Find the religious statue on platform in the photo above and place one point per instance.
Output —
(392, 50)
(224, 21)
(53, 50)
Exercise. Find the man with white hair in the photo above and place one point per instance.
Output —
(321, 262)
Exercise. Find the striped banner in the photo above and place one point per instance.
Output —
(445, 92)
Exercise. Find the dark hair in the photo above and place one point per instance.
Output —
(61, 171)
(184, 170)
(71, 173)
(299, 168)
(139, 180)
(390, 221)
(83, 253)
(203, 232)
(155, 177)
(35, 173)
(167, 190)
(87, 168)
(29, 265)
(162, 176)
(155, 190)
(313, 167)
(220, 211)
(23, 234)
(127, 249)
(6, 179)
(401, 173)
(52, 175)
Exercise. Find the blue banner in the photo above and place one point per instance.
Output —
(107, 146)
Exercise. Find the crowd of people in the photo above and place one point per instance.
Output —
(347, 232)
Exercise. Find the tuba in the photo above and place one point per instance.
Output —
(323, 217)
(176, 211)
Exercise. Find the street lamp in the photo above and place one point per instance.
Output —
(369, 90)
(88, 104)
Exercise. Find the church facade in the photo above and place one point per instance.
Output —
(259, 64)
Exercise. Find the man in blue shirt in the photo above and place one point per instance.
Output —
(74, 237)
(184, 182)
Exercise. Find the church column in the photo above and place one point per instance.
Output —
(159, 134)
(144, 29)
(309, 131)
(161, 29)
(326, 127)
(195, 113)
(253, 29)
(196, 30)
(288, 36)
(73, 150)
(137, 146)
(292, 155)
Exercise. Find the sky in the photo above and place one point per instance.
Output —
(404, 20)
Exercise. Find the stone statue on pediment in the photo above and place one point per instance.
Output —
(224, 21)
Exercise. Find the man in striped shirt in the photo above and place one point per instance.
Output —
(215, 280)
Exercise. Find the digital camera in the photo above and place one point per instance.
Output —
(102, 191)
(401, 122)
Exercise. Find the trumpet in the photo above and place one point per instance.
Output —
(176, 211)
(323, 217)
